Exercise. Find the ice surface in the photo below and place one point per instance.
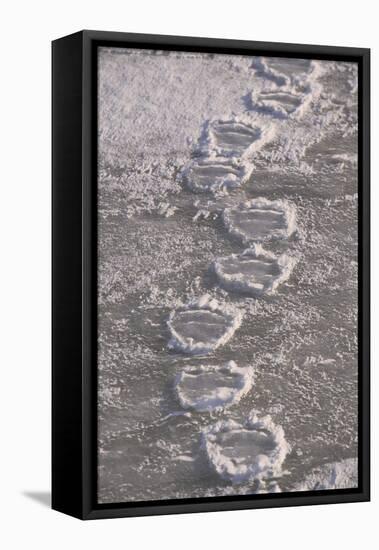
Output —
(252, 450)
(202, 325)
(336, 475)
(256, 271)
(212, 387)
(261, 220)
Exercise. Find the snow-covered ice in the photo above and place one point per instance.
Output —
(272, 143)
(335, 475)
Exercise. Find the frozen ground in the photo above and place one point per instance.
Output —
(223, 371)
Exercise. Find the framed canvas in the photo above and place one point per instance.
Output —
(210, 275)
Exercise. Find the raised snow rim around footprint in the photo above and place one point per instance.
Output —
(238, 282)
(265, 466)
(237, 172)
(221, 396)
(232, 315)
(211, 147)
(282, 206)
(304, 86)
(263, 103)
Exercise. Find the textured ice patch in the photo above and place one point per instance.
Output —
(336, 475)
(202, 325)
(231, 137)
(215, 174)
(212, 387)
(261, 220)
(256, 271)
(253, 450)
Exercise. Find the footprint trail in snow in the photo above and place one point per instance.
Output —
(255, 448)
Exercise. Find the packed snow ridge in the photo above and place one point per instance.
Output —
(212, 387)
(256, 271)
(202, 325)
(261, 220)
(285, 96)
(215, 174)
(232, 137)
(263, 69)
(251, 450)
(279, 103)
(222, 159)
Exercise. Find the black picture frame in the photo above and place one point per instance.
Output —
(74, 273)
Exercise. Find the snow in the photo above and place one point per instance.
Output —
(212, 387)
